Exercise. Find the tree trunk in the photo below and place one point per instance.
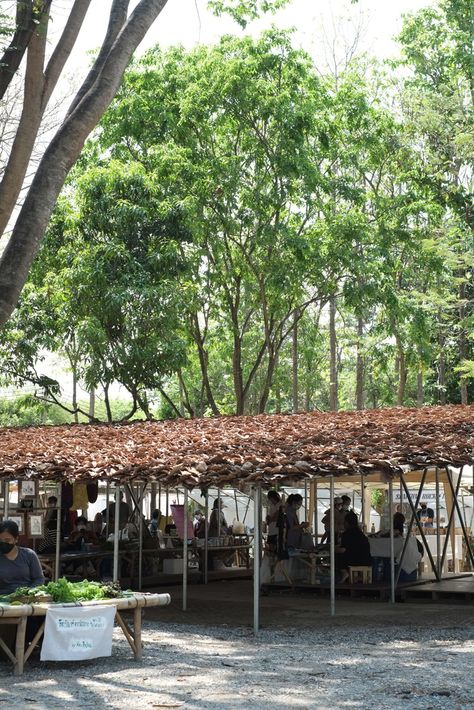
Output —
(268, 380)
(441, 371)
(420, 395)
(203, 362)
(360, 366)
(26, 22)
(462, 337)
(237, 373)
(107, 403)
(63, 152)
(92, 404)
(295, 360)
(333, 385)
(74, 394)
(402, 377)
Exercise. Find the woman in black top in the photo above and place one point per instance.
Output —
(355, 547)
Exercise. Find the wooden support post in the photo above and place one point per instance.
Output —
(20, 646)
(137, 631)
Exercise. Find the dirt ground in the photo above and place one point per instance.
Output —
(371, 655)
(230, 603)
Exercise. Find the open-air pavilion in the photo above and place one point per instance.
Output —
(258, 452)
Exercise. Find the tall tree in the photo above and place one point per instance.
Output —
(123, 35)
(237, 139)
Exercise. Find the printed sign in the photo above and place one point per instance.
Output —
(78, 633)
(428, 496)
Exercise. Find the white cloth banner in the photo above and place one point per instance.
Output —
(78, 633)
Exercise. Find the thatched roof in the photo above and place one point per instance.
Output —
(236, 450)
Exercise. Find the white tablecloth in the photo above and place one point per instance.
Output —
(380, 547)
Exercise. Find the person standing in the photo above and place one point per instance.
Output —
(273, 511)
(295, 528)
(425, 515)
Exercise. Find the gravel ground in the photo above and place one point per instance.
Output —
(224, 667)
(371, 655)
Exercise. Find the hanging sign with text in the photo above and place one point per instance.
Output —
(78, 633)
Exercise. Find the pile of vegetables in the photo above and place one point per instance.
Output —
(64, 591)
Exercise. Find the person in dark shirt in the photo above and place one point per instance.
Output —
(398, 522)
(354, 548)
(19, 566)
(425, 515)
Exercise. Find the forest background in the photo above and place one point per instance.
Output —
(246, 232)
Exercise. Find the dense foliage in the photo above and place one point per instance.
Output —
(245, 235)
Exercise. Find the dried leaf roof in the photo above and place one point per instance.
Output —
(222, 451)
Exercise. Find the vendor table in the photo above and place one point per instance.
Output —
(19, 614)
(380, 547)
(87, 564)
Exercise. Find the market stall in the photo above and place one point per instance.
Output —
(253, 453)
(18, 615)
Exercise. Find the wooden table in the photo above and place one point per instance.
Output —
(18, 615)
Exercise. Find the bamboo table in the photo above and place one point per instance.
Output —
(19, 614)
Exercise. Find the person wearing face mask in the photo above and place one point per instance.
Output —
(19, 566)
(339, 516)
(295, 528)
(81, 534)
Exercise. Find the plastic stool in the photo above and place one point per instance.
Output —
(360, 575)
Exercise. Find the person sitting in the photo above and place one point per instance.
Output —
(154, 524)
(354, 548)
(295, 528)
(217, 522)
(199, 524)
(124, 514)
(81, 535)
(19, 566)
(47, 543)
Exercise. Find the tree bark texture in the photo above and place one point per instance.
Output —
(295, 360)
(360, 366)
(333, 384)
(63, 152)
(462, 338)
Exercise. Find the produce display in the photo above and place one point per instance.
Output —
(64, 591)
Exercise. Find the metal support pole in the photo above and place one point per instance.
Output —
(392, 543)
(116, 533)
(455, 493)
(57, 558)
(6, 501)
(332, 547)
(140, 535)
(438, 532)
(306, 511)
(362, 502)
(315, 511)
(206, 538)
(256, 557)
(185, 551)
(107, 515)
(218, 513)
